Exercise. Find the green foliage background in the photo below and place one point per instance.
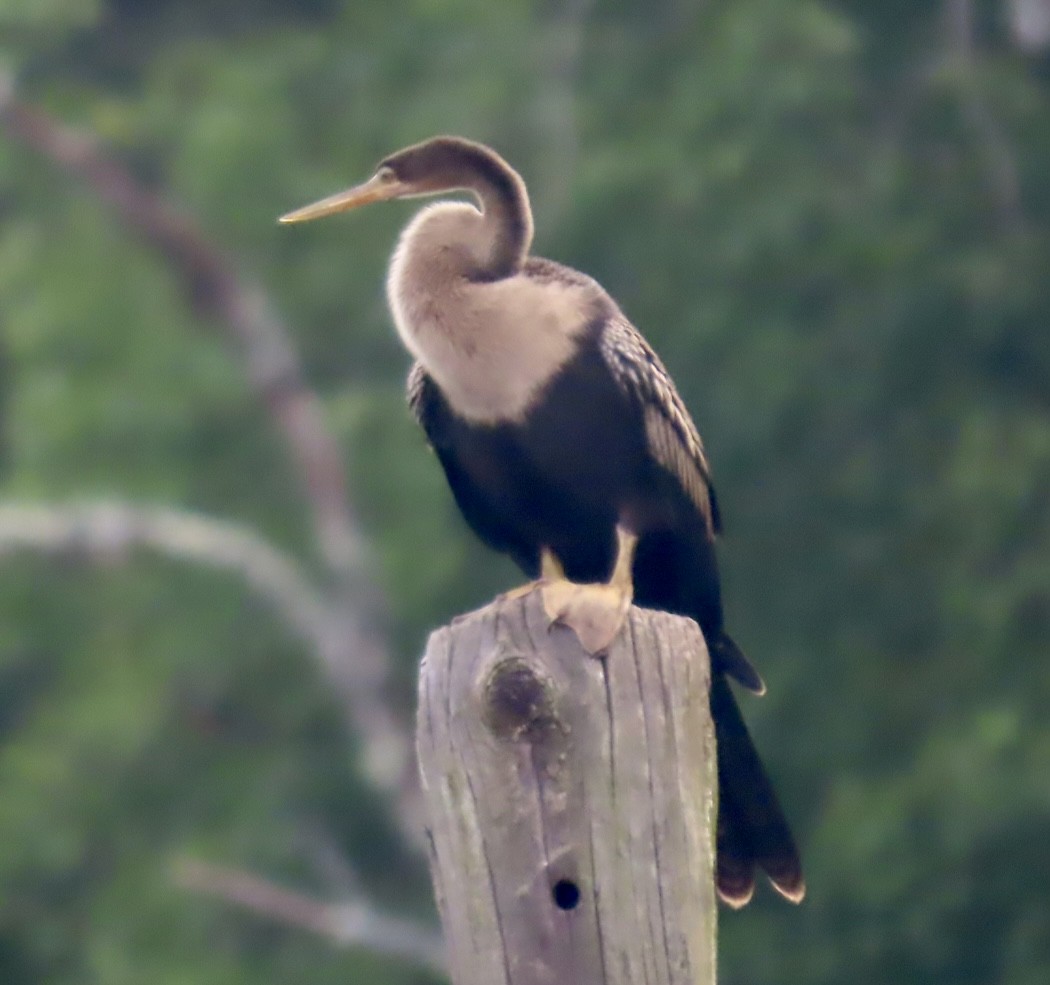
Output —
(831, 218)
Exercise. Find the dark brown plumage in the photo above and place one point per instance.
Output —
(566, 446)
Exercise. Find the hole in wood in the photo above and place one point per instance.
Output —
(566, 894)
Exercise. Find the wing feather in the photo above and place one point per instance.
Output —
(671, 434)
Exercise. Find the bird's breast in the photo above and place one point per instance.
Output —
(491, 347)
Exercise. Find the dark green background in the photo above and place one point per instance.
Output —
(833, 221)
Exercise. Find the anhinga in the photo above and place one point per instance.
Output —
(566, 446)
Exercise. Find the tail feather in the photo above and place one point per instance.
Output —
(752, 829)
(735, 868)
(730, 659)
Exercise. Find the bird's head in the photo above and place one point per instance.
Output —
(441, 164)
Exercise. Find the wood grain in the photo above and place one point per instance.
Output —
(571, 800)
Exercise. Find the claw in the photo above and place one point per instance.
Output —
(521, 591)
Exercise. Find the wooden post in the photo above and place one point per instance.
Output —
(571, 800)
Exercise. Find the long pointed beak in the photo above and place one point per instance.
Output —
(373, 190)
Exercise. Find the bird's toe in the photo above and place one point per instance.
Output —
(596, 613)
(520, 592)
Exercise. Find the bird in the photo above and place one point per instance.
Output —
(567, 447)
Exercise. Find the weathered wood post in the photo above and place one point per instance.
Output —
(571, 800)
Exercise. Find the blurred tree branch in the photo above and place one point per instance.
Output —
(561, 53)
(351, 923)
(340, 619)
(1030, 24)
(215, 289)
(1001, 159)
(108, 532)
(353, 648)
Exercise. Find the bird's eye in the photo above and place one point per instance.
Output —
(386, 174)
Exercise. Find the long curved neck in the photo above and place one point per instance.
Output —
(506, 220)
(498, 239)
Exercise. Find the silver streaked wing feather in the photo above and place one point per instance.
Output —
(672, 436)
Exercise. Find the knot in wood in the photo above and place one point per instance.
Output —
(518, 699)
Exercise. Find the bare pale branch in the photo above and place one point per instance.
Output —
(350, 923)
(1030, 24)
(960, 18)
(218, 290)
(108, 531)
(355, 651)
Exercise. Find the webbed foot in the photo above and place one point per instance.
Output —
(595, 612)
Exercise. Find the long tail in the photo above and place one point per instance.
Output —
(752, 830)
